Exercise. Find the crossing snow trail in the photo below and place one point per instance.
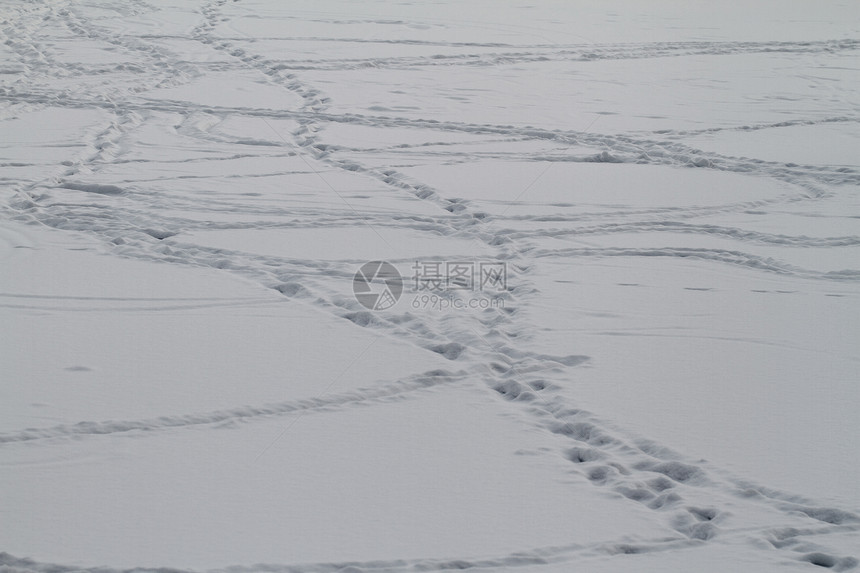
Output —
(625, 332)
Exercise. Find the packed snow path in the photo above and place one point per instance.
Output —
(666, 379)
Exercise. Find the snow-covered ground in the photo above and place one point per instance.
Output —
(659, 370)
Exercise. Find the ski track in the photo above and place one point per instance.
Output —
(482, 346)
(248, 413)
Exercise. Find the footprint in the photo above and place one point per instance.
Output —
(582, 455)
(828, 515)
(703, 531)
(582, 432)
(512, 390)
(682, 473)
(660, 484)
(820, 559)
(361, 318)
(665, 501)
(830, 562)
(291, 289)
(540, 385)
(639, 494)
(703, 514)
(601, 474)
(451, 350)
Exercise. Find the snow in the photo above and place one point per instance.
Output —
(666, 379)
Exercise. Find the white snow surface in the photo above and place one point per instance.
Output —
(669, 381)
